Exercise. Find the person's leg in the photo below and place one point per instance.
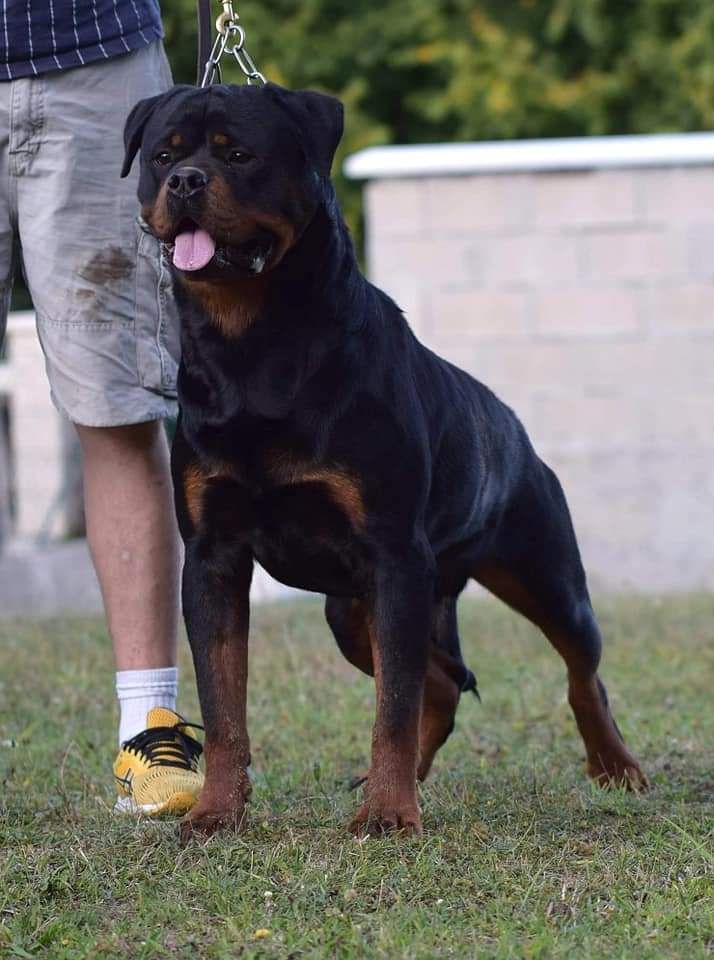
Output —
(133, 539)
(105, 317)
(6, 278)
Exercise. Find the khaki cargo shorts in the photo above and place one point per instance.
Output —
(101, 290)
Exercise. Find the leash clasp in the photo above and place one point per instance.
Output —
(227, 17)
(230, 39)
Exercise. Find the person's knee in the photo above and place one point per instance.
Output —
(137, 438)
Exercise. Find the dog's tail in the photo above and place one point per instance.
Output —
(446, 638)
(470, 684)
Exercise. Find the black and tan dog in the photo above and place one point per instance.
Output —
(318, 437)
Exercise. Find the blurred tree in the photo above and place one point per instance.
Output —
(413, 71)
(418, 70)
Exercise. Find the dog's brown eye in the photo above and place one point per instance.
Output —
(162, 158)
(239, 156)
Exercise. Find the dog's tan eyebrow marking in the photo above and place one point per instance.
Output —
(176, 140)
(220, 139)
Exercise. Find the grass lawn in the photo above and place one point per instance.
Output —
(520, 856)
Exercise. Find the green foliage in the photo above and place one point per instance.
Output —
(413, 71)
(418, 71)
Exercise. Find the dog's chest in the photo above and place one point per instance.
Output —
(305, 521)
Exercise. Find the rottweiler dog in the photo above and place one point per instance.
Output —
(318, 437)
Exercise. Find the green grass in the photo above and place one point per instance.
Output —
(520, 856)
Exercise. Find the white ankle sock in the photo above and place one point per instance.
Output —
(140, 690)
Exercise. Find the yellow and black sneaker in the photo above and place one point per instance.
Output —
(157, 770)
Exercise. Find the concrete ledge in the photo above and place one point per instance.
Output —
(59, 579)
(48, 580)
(509, 156)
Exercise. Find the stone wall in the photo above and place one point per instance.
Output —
(36, 432)
(584, 296)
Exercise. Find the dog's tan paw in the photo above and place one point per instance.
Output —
(202, 823)
(618, 769)
(375, 819)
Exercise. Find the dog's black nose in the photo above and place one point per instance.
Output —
(186, 181)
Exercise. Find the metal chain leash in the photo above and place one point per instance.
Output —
(231, 41)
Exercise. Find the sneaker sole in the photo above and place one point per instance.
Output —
(176, 806)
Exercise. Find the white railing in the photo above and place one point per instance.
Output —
(521, 156)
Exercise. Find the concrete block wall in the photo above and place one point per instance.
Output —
(36, 432)
(581, 290)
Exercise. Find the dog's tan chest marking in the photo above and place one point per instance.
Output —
(231, 309)
(194, 485)
(343, 490)
(196, 478)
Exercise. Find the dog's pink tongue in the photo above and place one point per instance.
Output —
(193, 249)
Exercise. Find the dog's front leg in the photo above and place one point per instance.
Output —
(216, 585)
(399, 627)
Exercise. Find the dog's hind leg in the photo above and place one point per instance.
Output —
(347, 618)
(446, 675)
(446, 679)
(397, 616)
(534, 566)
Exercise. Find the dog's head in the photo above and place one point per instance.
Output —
(231, 176)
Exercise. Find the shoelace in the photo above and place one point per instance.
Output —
(167, 746)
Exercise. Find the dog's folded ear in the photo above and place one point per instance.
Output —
(320, 119)
(134, 129)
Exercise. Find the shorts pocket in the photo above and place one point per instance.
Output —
(155, 316)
